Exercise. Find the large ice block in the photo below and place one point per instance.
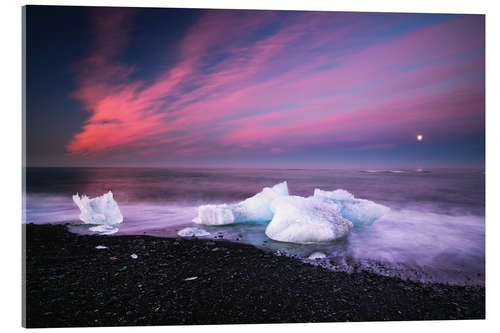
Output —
(359, 211)
(99, 210)
(253, 209)
(306, 220)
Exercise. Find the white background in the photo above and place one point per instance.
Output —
(10, 154)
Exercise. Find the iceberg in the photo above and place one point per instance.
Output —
(360, 212)
(253, 209)
(191, 232)
(306, 220)
(101, 210)
(323, 217)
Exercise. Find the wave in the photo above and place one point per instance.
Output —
(416, 171)
(383, 171)
(415, 241)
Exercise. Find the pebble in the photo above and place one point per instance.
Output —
(259, 288)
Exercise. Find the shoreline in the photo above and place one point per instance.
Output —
(70, 283)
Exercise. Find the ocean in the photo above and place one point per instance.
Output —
(434, 231)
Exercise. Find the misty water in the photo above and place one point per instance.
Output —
(435, 230)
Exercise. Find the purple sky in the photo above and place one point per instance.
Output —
(259, 88)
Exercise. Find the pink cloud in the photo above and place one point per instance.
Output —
(272, 93)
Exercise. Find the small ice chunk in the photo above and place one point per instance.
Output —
(101, 247)
(253, 209)
(215, 214)
(104, 229)
(359, 211)
(99, 210)
(306, 220)
(317, 255)
(191, 278)
(134, 256)
(191, 232)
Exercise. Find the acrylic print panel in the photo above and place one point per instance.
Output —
(192, 166)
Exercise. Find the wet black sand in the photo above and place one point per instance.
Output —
(71, 283)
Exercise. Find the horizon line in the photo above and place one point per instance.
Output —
(388, 168)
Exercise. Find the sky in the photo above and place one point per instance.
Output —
(245, 88)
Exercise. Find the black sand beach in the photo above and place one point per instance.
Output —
(182, 281)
